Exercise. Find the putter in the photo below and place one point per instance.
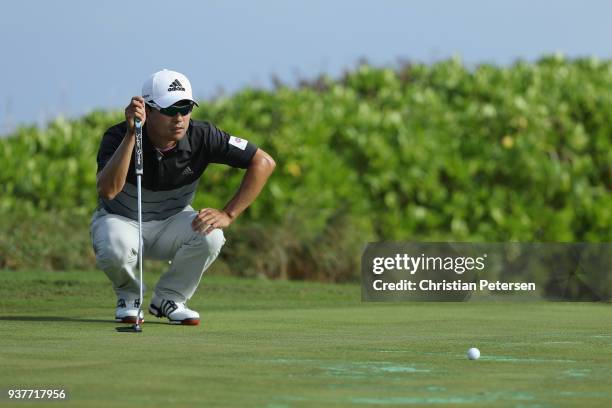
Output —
(136, 328)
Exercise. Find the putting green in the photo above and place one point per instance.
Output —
(296, 344)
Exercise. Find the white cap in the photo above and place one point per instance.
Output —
(165, 88)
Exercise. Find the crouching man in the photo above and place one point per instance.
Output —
(176, 151)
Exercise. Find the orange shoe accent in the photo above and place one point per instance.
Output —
(190, 322)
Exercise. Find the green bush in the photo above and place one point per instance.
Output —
(421, 152)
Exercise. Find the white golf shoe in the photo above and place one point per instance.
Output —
(127, 310)
(177, 313)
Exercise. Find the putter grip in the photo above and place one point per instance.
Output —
(138, 149)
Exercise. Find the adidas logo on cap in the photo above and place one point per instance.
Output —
(187, 171)
(176, 86)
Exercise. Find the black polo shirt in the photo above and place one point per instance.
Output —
(170, 179)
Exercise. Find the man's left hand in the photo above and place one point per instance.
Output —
(208, 219)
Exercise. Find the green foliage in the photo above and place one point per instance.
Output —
(439, 152)
(46, 240)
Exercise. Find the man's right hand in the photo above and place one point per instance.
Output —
(111, 179)
(136, 109)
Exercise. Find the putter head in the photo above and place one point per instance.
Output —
(135, 328)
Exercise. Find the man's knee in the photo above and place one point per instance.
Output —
(213, 241)
(110, 255)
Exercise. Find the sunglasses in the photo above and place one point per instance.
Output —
(174, 109)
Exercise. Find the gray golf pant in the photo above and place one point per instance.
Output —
(115, 243)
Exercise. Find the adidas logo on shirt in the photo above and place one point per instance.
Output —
(187, 171)
(175, 86)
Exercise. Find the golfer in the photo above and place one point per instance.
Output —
(176, 151)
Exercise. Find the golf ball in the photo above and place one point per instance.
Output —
(473, 353)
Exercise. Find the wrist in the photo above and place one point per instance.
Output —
(231, 214)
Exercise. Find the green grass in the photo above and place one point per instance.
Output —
(296, 344)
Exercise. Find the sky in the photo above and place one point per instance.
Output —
(69, 57)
